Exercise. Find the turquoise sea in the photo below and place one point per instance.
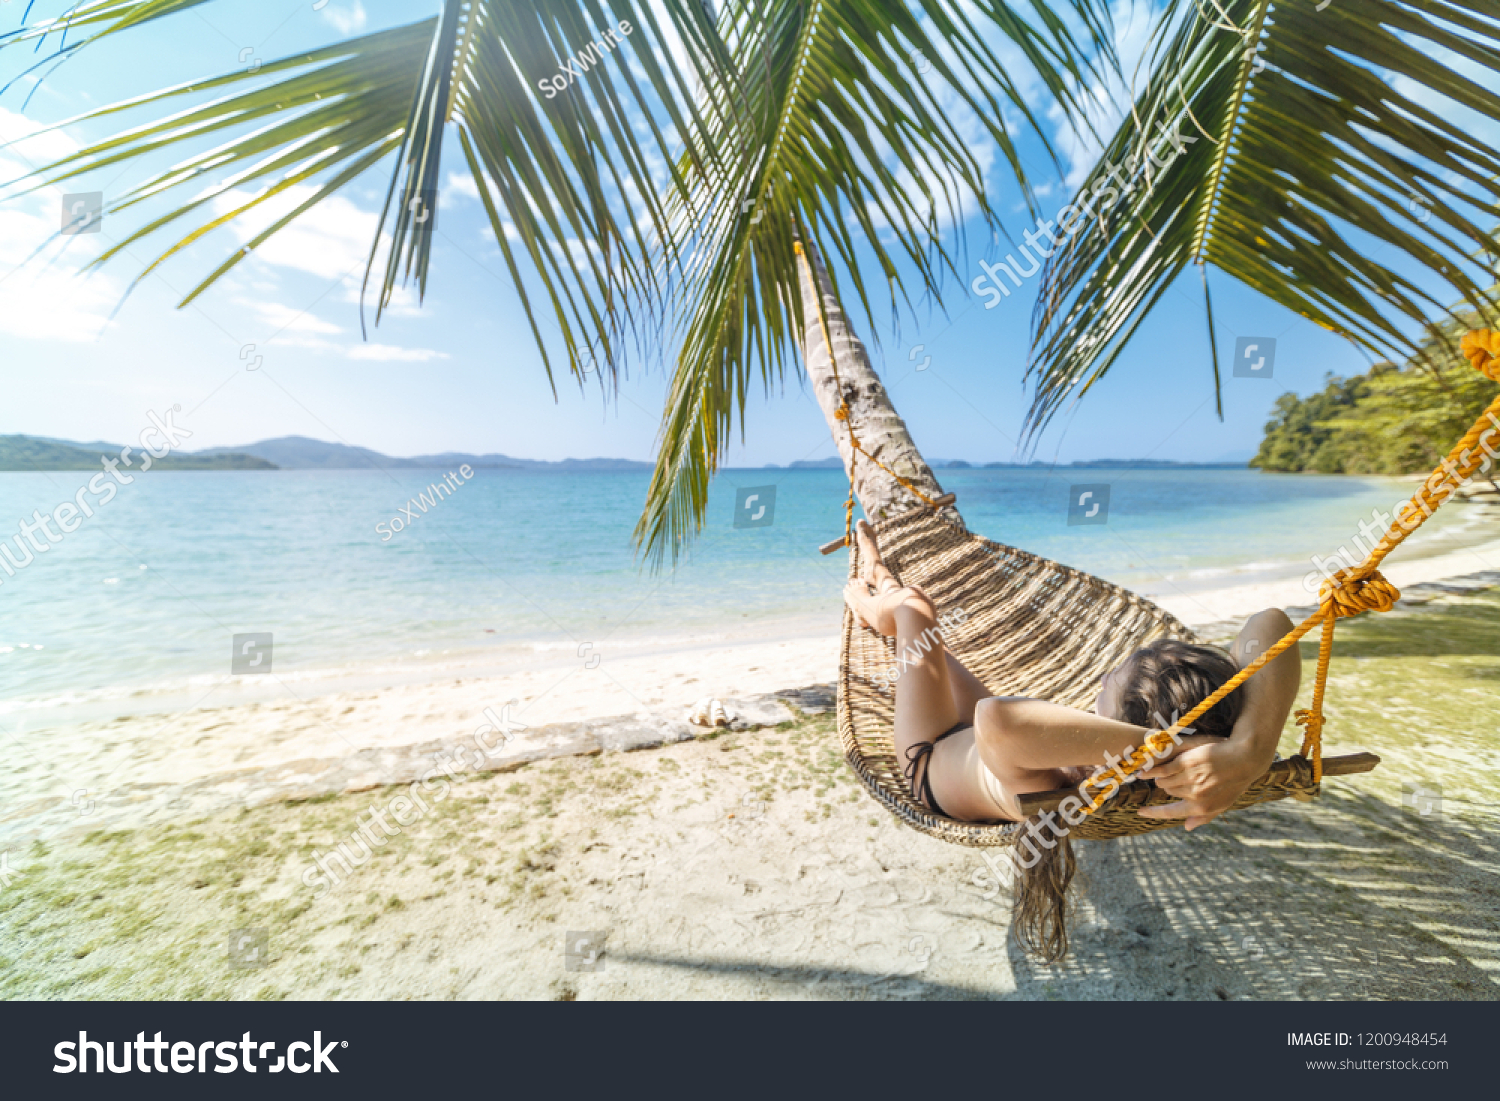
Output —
(145, 597)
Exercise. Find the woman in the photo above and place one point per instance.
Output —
(970, 754)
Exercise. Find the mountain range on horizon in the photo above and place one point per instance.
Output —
(20, 453)
(37, 453)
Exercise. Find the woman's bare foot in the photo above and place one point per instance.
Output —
(872, 567)
(875, 595)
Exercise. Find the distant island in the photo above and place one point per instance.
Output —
(33, 453)
(37, 453)
(1113, 464)
(832, 463)
(1391, 420)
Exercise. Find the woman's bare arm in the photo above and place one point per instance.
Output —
(1270, 694)
(1027, 744)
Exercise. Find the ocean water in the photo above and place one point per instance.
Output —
(145, 597)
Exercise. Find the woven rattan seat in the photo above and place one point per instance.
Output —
(1031, 627)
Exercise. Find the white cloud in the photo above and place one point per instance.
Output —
(403, 301)
(511, 232)
(316, 343)
(1107, 103)
(346, 20)
(389, 352)
(55, 304)
(34, 147)
(284, 319)
(329, 240)
(462, 184)
(47, 298)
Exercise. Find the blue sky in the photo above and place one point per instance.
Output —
(460, 372)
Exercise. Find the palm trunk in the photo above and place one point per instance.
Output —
(881, 431)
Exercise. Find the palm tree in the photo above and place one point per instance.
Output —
(647, 177)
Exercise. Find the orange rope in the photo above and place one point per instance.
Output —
(843, 412)
(1350, 591)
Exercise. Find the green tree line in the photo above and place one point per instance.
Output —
(1390, 420)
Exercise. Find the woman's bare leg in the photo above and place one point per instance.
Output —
(925, 704)
(934, 692)
(968, 689)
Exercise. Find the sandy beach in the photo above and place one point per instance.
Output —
(750, 864)
(441, 595)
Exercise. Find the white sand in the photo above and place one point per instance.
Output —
(175, 747)
(742, 867)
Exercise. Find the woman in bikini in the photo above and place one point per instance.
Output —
(970, 753)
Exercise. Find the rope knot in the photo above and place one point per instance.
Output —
(1311, 723)
(842, 412)
(1348, 595)
(1482, 347)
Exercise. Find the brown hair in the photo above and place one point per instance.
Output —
(1168, 678)
(1162, 682)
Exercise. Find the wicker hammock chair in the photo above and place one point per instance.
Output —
(1036, 628)
(1033, 628)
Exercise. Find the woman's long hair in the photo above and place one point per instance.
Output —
(1166, 679)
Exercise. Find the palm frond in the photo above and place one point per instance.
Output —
(836, 127)
(1319, 164)
(322, 117)
(563, 177)
(647, 184)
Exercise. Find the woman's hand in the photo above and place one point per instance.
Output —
(1206, 775)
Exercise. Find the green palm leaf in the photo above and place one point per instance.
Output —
(815, 98)
(650, 198)
(331, 115)
(1317, 174)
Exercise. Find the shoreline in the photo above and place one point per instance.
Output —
(1212, 608)
(1201, 602)
(146, 744)
(70, 668)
